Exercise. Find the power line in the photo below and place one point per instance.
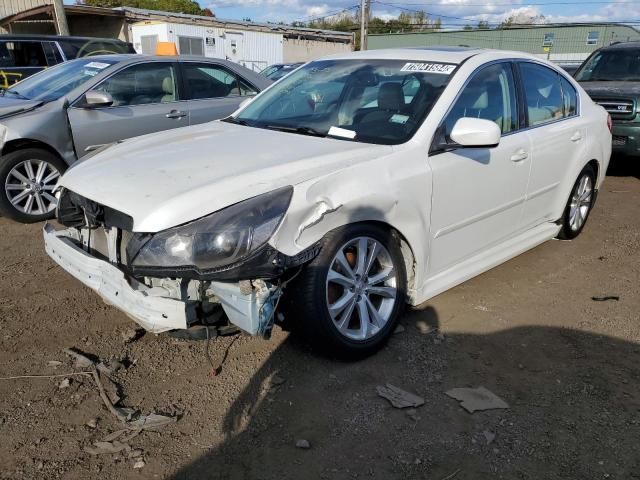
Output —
(512, 4)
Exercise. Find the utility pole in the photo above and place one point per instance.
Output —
(364, 23)
(60, 17)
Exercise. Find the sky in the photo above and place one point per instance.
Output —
(454, 13)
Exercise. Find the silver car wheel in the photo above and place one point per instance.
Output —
(361, 288)
(29, 187)
(580, 203)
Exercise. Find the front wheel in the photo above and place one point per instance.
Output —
(579, 205)
(27, 180)
(348, 299)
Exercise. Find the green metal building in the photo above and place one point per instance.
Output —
(558, 43)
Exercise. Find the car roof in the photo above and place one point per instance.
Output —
(53, 38)
(444, 54)
(622, 46)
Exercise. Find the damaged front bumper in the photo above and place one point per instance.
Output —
(165, 304)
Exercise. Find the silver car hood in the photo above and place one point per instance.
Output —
(13, 105)
(169, 178)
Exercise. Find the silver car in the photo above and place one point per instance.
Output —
(51, 119)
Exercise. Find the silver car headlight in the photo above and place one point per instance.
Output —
(217, 240)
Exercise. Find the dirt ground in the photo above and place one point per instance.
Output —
(569, 368)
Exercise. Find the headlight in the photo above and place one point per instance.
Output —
(217, 240)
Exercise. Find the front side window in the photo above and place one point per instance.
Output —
(490, 95)
(372, 101)
(211, 81)
(543, 93)
(592, 38)
(617, 65)
(142, 85)
(22, 54)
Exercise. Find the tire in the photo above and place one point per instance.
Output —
(325, 282)
(22, 197)
(579, 204)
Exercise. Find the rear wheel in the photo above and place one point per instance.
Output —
(579, 205)
(349, 298)
(27, 180)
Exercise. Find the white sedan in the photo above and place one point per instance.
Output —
(356, 184)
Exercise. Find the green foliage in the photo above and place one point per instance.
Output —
(178, 6)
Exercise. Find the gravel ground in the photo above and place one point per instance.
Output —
(528, 331)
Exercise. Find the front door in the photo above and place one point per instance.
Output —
(478, 193)
(145, 100)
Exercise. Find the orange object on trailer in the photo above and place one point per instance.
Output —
(166, 48)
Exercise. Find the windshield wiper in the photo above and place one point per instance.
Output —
(234, 120)
(302, 130)
(18, 94)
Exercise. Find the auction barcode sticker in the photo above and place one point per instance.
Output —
(442, 68)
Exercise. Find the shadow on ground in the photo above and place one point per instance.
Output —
(574, 410)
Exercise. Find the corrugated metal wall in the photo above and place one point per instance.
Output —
(9, 7)
(569, 42)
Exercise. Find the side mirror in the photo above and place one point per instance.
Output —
(94, 99)
(475, 133)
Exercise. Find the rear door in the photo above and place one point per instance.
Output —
(146, 100)
(212, 90)
(557, 135)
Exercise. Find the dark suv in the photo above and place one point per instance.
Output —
(24, 55)
(611, 77)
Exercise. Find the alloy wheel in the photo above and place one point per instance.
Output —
(29, 187)
(580, 203)
(361, 288)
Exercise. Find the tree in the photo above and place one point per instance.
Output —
(483, 25)
(208, 13)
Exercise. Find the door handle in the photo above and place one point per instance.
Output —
(520, 155)
(576, 137)
(176, 114)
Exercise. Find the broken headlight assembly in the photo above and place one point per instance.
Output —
(213, 242)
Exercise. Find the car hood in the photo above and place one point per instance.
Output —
(14, 105)
(170, 178)
(628, 90)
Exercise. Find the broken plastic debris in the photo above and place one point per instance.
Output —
(151, 422)
(399, 398)
(489, 436)
(64, 383)
(473, 399)
(53, 363)
(100, 448)
(139, 464)
(605, 298)
(304, 444)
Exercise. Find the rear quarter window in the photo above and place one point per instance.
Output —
(86, 48)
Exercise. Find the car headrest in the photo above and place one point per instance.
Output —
(167, 85)
(481, 100)
(391, 96)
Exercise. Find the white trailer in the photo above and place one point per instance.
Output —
(252, 49)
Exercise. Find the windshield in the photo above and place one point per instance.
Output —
(57, 81)
(610, 66)
(372, 101)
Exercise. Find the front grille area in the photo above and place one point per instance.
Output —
(617, 108)
(619, 140)
(77, 211)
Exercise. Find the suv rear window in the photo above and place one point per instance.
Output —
(73, 48)
(21, 54)
(611, 66)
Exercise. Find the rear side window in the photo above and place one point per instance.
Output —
(543, 94)
(22, 54)
(78, 48)
(569, 97)
(212, 81)
(490, 95)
